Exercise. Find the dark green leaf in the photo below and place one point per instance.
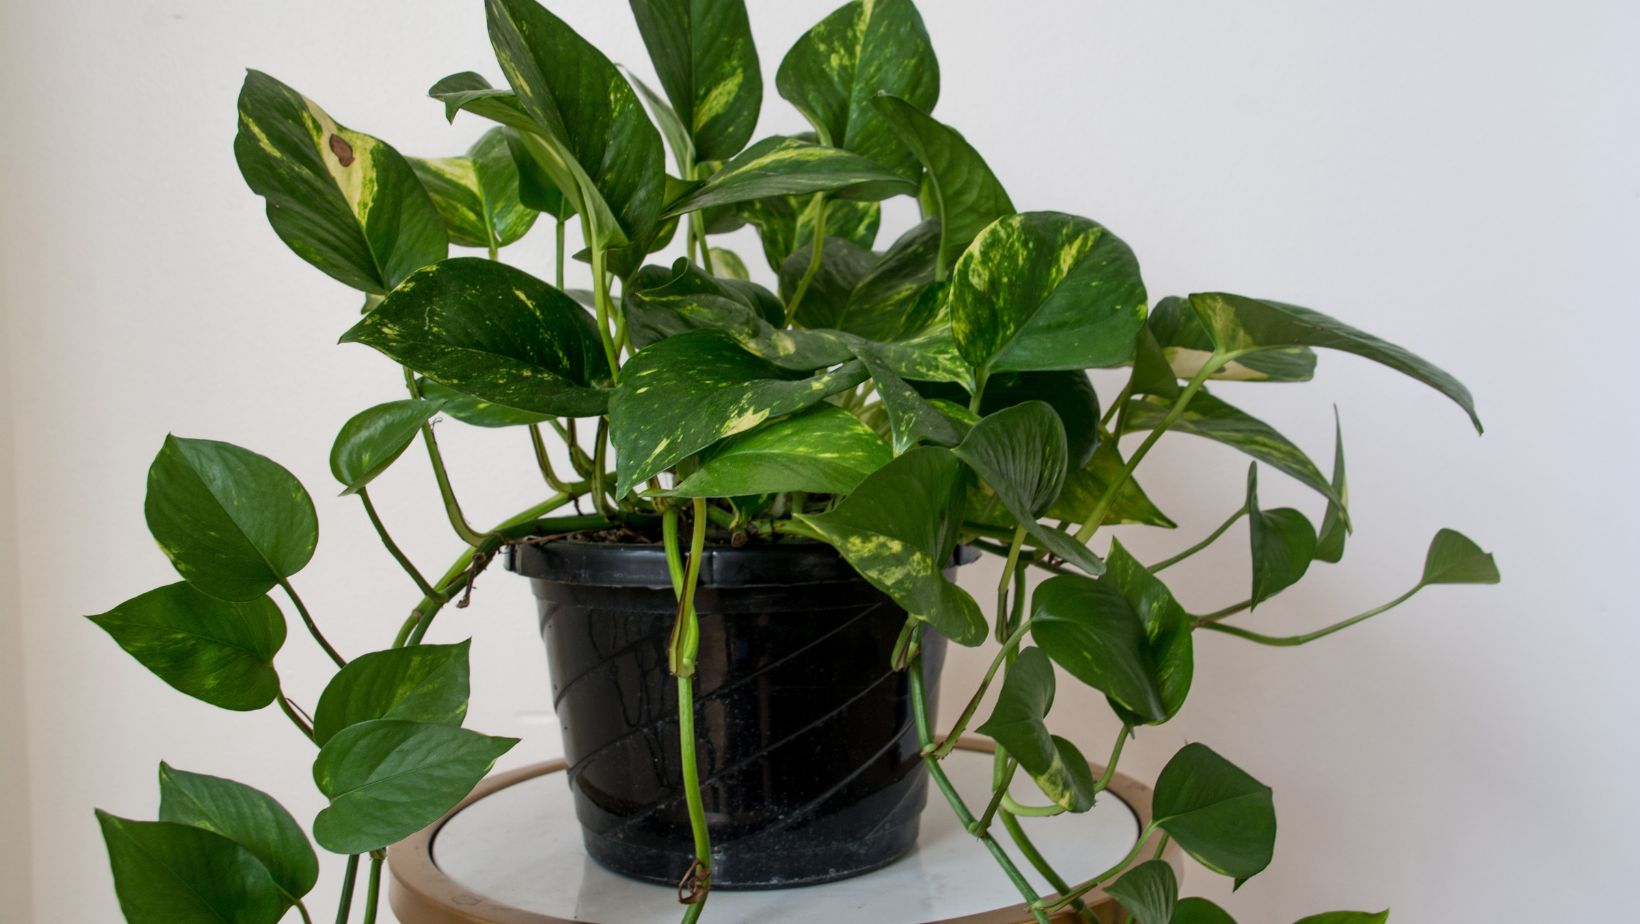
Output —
(168, 873)
(958, 188)
(476, 411)
(1085, 486)
(1455, 559)
(232, 522)
(898, 529)
(1220, 815)
(373, 439)
(824, 450)
(1238, 324)
(707, 64)
(421, 683)
(1209, 418)
(345, 202)
(860, 50)
(388, 779)
(786, 223)
(1283, 544)
(1335, 523)
(1200, 911)
(875, 296)
(1044, 290)
(210, 649)
(1017, 724)
(493, 332)
(683, 394)
(1167, 629)
(607, 151)
(1347, 917)
(536, 188)
(788, 167)
(1148, 891)
(477, 193)
(1186, 346)
(1069, 393)
(249, 817)
(911, 419)
(1092, 631)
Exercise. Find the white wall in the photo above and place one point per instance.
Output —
(1456, 176)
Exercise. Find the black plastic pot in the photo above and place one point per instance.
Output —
(807, 751)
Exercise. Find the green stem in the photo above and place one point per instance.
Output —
(919, 709)
(1161, 847)
(1115, 406)
(1115, 757)
(600, 299)
(452, 507)
(945, 747)
(600, 490)
(1027, 847)
(542, 461)
(558, 253)
(307, 620)
(1068, 896)
(1030, 811)
(817, 245)
(301, 909)
(372, 895)
(1228, 611)
(999, 789)
(1097, 517)
(683, 648)
(980, 378)
(1009, 567)
(1289, 641)
(393, 547)
(345, 906)
(294, 716)
(1211, 538)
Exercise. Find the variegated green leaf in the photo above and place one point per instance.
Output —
(1018, 723)
(478, 193)
(1090, 629)
(958, 188)
(728, 265)
(1239, 324)
(1069, 393)
(911, 418)
(1148, 891)
(591, 121)
(1167, 629)
(930, 356)
(1186, 345)
(863, 48)
(345, 202)
(1335, 522)
(824, 450)
(792, 167)
(668, 121)
(1283, 544)
(1085, 486)
(898, 530)
(703, 53)
(1217, 812)
(493, 332)
(878, 297)
(687, 392)
(536, 189)
(786, 223)
(476, 411)
(372, 439)
(1208, 417)
(1044, 290)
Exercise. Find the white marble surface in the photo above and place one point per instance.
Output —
(522, 846)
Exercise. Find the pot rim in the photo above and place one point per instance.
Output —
(618, 564)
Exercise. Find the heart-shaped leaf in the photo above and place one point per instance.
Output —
(1044, 290)
(898, 530)
(1283, 543)
(1149, 891)
(1167, 628)
(786, 223)
(421, 683)
(1238, 323)
(168, 873)
(958, 188)
(249, 817)
(911, 419)
(703, 53)
(232, 522)
(1335, 522)
(792, 167)
(1208, 417)
(1185, 346)
(1017, 723)
(608, 152)
(1347, 917)
(388, 779)
(1069, 393)
(1454, 558)
(875, 296)
(1220, 815)
(213, 650)
(686, 392)
(476, 411)
(1091, 630)
(1085, 486)
(345, 202)
(1200, 911)
(373, 439)
(824, 450)
(493, 332)
(477, 193)
(858, 51)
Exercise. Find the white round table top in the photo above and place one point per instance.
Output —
(520, 846)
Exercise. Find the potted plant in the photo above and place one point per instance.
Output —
(757, 496)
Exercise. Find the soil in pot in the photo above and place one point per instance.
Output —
(808, 754)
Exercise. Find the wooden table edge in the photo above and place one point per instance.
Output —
(421, 893)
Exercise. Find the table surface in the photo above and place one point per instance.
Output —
(513, 855)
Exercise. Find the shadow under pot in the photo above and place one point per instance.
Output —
(807, 748)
